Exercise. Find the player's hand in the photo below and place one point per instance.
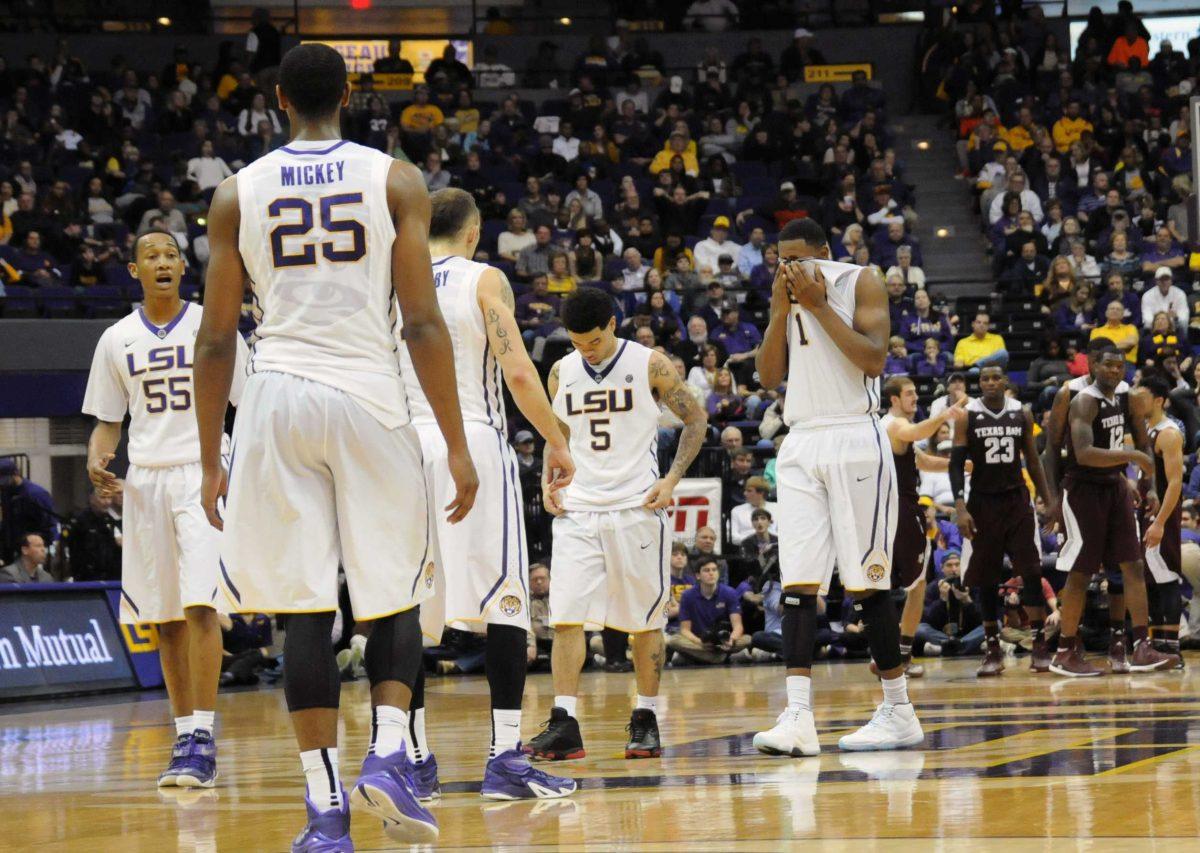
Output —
(213, 487)
(560, 467)
(530, 654)
(1053, 619)
(1150, 504)
(552, 500)
(105, 482)
(966, 524)
(1054, 512)
(807, 284)
(781, 293)
(1144, 462)
(660, 496)
(1154, 534)
(466, 484)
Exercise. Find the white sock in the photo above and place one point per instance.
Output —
(183, 725)
(205, 720)
(799, 691)
(391, 726)
(650, 703)
(895, 690)
(567, 703)
(321, 774)
(416, 736)
(506, 731)
(358, 643)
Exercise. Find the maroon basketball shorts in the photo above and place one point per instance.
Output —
(1005, 525)
(1101, 526)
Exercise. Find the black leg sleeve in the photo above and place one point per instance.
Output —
(504, 663)
(310, 673)
(394, 649)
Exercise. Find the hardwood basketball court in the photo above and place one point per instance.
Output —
(1022, 757)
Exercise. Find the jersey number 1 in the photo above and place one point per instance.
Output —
(800, 329)
(307, 256)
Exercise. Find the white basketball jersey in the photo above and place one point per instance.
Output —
(823, 386)
(316, 237)
(146, 370)
(613, 419)
(479, 393)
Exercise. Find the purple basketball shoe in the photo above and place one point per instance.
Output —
(385, 789)
(510, 776)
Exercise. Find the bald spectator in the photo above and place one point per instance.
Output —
(28, 567)
(731, 438)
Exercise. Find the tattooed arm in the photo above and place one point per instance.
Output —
(671, 391)
(551, 499)
(496, 302)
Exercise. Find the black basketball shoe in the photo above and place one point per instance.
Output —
(561, 741)
(643, 735)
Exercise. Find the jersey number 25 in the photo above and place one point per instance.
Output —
(301, 226)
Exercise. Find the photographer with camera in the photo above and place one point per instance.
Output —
(710, 619)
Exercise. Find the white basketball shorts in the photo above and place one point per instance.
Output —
(481, 563)
(315, 481)
(170, 553)
(837, 506)
(610, 569)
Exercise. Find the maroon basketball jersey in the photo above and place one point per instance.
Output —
(994, 444)
(1108, 431)
(908, 479)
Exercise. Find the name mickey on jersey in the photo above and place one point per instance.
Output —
(160, 358)
(601, 400)
(999, 431)
(311, 174)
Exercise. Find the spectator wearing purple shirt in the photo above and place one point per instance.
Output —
(1165, 252)
(36, 267)
(706, 612)
(896, 363)
(933, 361)
(537, 311)
(740, 340)
(921, 322)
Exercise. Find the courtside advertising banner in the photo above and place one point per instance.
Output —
(60, 641)
(697, 504)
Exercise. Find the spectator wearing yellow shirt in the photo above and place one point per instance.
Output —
(559, 278)
(421, 116)
(677, 143)
(1070, 127)
(1021, 135)
(1124, 335)
(981, 348)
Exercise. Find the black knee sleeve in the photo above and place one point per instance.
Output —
(616, 643)
(1031, 592)
(418, 691)
(394, 649)
(504, 663)
(799, 630)
(989, 602)
(310, 673)
(882, 628)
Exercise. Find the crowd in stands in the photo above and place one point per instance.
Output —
(668, 189)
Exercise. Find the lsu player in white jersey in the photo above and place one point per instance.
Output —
(827, 337)
(325, 467)
(611, 550)
(482, 577)
(143, 367)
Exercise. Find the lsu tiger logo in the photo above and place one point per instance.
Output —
(429, 576)
(510, 605)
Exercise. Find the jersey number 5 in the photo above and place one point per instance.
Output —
(601, 438)
(307, 256)
(176, 395)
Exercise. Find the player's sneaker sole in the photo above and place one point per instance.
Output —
(643, 753)
(183, 780)
(396, 824)
(907, 742)
(558, 756)
(1058, 670)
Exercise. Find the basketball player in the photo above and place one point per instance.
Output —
(999, 519)
(1098, 514)
(143, 366)
(1164, 536)
(910, 547)
(611, 548)
(483, 567)
(1054, 463)
(827, 336)
(325, 468)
